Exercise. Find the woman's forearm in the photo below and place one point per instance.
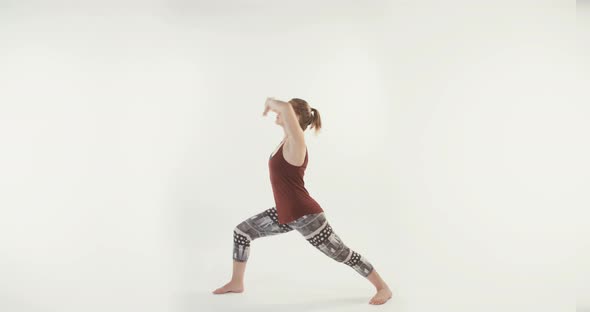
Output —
(278, 105)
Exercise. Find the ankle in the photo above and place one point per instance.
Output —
(236, 281)
(381, 286)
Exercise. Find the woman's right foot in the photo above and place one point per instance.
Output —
(232, 286)
(382, 296)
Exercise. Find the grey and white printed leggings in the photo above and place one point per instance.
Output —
(314, 227)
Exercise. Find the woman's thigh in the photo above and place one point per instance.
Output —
(262, 224)
(316, 229)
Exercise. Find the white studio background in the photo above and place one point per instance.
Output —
(453, 155)
(582, 237)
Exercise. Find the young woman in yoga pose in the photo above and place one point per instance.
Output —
(294, 208)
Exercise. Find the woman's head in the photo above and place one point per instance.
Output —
(307, 115)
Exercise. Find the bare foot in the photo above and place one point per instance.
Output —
(381, 296)
(234, 287)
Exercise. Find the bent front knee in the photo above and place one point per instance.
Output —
(241, 237)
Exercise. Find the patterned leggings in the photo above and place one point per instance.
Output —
(314, 227)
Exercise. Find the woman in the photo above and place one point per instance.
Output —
(294, 208)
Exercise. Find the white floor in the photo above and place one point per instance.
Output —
(296, 298)
(262, 297)
(337, 289)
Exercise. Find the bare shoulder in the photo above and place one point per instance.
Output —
(294, 151)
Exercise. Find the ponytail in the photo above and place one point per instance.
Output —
(316, 120)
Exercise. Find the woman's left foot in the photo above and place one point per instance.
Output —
(382, 296)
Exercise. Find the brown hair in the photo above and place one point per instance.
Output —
(307, 114)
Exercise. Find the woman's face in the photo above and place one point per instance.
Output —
(279, 120)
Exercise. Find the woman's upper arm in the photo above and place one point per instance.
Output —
(297, 147)
(292, 126)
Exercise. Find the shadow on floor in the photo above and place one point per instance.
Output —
(192, 302)
(313, 305)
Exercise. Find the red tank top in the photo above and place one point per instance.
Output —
(292, 199)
